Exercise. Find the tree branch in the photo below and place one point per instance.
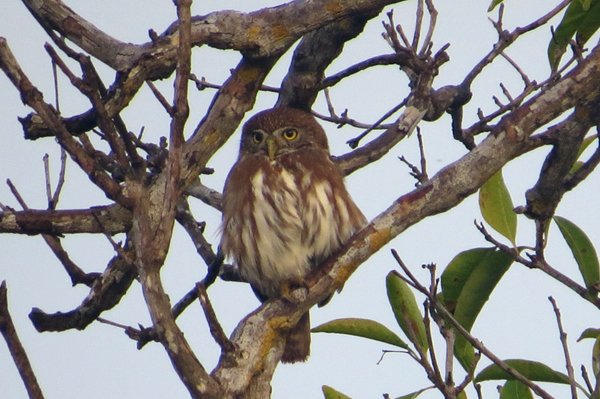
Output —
(112, 219)
(7, 328)
(34, 98)
(105, 294)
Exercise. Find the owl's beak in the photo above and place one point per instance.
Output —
(271, 148)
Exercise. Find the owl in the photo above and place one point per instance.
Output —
(285, 209)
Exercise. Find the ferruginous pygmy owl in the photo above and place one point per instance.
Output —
(285, 208)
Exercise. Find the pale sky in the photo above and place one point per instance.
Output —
(101, 362)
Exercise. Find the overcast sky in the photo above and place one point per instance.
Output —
(101, 362)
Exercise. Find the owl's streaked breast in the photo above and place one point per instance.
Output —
(292, 220)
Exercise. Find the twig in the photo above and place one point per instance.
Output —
(386, 59)
(161, 99)
(419, 21)
(563, 340)
(424, 175)
(344, 120)
(195, 230)
(112, 323)
(420, 175)
(524, 76)
(211, 317)
(541, 228)
(353, 143)
(77, 275)
(61, 177)
(507, 38)
(55, 78)
(7, 328)
(432, 356)
(117, 246)
(330, 107)
(414, 171)
(390, 34)
(432, 24)
(586, 378)
(506, 92)
(17, 195)
(47, 175)
(202, 84)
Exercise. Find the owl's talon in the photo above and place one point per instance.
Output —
(295, 289)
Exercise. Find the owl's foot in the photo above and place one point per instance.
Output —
(295, 289)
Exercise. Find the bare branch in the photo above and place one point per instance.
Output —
(211, 317)
(33, 97)
(7, 328)
(105, 294)
(114, 218)
(563, 341)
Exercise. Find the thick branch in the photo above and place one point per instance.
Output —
(264, 33)
(566, 137)
(258, 34)
(105, 294)
(111, 219)
(227, 110)
(314, 54)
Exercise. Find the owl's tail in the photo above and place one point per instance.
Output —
(297, 344)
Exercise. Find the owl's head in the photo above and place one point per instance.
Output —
(279, 131)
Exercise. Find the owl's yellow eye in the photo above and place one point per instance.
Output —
(257, 137)
(290, 134)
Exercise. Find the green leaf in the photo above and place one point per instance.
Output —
(497, 207)
(413, 395)
(534, 371)
(469, 280)
(515, 390)
(596, 356)
(457, 273)
(493, 4)
(583, 251)
(331, 393)
(576, 166)
(591, 21)
(589, 333)
(479, 286)
(584, 145)
(362, 328)
(581, 17)
(407, 312)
